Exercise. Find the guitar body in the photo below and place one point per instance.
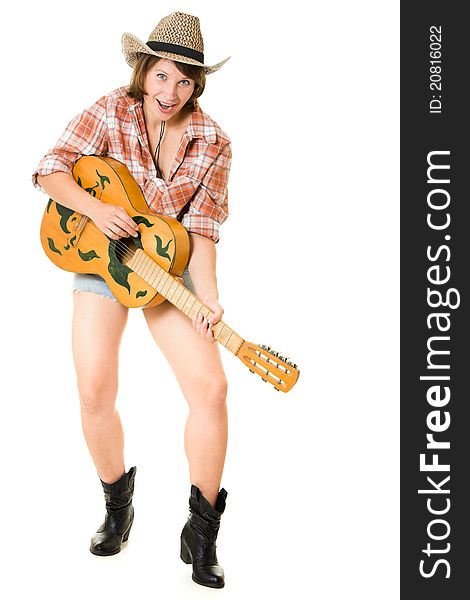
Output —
(74, 243)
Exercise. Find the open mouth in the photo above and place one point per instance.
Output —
(164, 106)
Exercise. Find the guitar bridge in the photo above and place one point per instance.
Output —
(81, 224)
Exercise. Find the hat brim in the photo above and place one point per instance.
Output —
(132, 47)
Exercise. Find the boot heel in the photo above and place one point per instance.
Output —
(125, 537)
(184, 554)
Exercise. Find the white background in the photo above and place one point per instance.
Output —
(308, 263)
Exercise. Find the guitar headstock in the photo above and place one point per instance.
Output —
(277, 370)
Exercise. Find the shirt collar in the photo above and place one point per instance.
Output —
(201, 126)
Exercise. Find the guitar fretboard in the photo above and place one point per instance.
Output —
(176, 293)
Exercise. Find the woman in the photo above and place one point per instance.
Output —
(180, 158)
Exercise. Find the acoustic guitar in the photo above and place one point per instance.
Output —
(146, 270)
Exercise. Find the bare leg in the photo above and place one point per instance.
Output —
(198, 368)
(98, 324)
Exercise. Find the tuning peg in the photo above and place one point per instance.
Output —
(264, 380)
(251, 371)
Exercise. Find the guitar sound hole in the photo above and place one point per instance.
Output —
(126, 248)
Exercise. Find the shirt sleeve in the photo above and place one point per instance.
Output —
(208, 208)
(85, 135)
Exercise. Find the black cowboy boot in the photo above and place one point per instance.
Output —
(119, 516)
(198, 538)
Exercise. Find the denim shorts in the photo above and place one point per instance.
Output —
(86, 282)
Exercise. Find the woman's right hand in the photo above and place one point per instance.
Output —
(112, 220)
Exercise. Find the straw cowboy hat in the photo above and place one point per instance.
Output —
(176, 37)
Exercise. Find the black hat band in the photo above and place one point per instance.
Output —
(176, 49)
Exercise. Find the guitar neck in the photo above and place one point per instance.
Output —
(179, 295)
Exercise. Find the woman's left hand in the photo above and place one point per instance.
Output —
(204, 325)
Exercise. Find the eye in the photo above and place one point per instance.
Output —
(185, 82)
(161, 76)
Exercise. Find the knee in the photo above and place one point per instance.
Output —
(97, 395)
(209, 393)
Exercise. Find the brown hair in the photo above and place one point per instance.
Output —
(146, 61)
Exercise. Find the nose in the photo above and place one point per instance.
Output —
(171, 90)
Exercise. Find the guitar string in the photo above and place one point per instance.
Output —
(122, 249)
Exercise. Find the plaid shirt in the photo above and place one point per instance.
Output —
(114, 126)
